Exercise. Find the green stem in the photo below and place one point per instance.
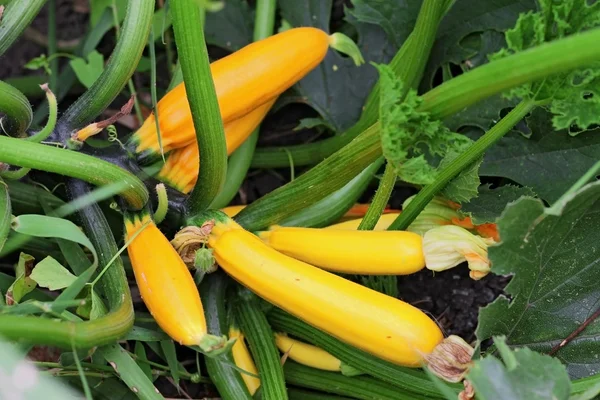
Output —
(202, 98)
(261, 340)
(379, 202)
(471, 155)
(120, 67)
(52, 117)
(163, 203)
(359, 387)
(153, 92)
(333, 207)
(52, 44)
(299, 394)
(17, 16)
(85, 334)
(227, 379)
(17, 110)
(5, 213)
(240, 160)
(61, 161)
(408, 64)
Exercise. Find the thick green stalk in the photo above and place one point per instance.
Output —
(406, 379)
(240, 160)
(446, 99)
(17, 16)
(17, 110)
(121, 66)
(74, 164)
(202, 98)
(302, 192)
(52, 44)
(379, 202)
(228, 380)
(408, 64)
(299, 394)
(85, 334)
(471, 155)
(359, 387)
(333, 207)
(5, 213)
(258, 333)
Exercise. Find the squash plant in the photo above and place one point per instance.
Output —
(452, 134)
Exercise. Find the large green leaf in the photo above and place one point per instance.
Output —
(549, 162)
(554, 255)
(489, 203)
(337, 89)
(524, 375)
(230, 28)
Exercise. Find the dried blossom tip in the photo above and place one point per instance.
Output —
(437, 213)
(468, 392)
(451, 359)
(445, 247)
(187, 241)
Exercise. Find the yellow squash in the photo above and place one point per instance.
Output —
(165, 284)
(350, 251)
(307, 354)
(381, 325)
(181, 169)
(244, 81)
(232, 211)
(243, 359)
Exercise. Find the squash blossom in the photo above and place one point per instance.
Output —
(445, 247)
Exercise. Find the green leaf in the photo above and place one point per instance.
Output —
(549, 162)
(336, 88)
(579, 102)
(230, 28)
(490, 203)
(554, 257)
(88, 72)
(524, 375)
(590, 394)
(94, 306)
(50, 274)
(52, 227)
(97, 8)
(168, 348)
(23, 283)
(464, 187)
(146, 335)
(140, 352)
(39, 62)
(409, 138)
(311, 123)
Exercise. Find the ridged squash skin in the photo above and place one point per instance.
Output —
(350, 251)
(243, 359)
(307, 354)
(165, 283)
(371, 321)
(244, 81)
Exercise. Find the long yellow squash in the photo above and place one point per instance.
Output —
(165, 284)
(244, 81)
(350, 251)
(307, 354)
(381, 325)
(351, 225)
(243, 359)
(181, 169)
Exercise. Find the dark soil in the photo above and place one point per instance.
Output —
(451, 297)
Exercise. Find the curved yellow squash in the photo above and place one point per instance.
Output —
(244, 81)
(307, 354)
(165, 284)
(243, 359)
(381, 325)
(350, 251)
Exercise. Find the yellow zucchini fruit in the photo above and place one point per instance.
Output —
(166, 285)
(243, 359)
(351, 225)
(181, 169)
(232, 211)
(244, 81)
(350, 251)
(307, 354)
(371, 321)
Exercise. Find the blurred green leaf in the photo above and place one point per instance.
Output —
(168, 348)
(140, 352)
(23, 283)
(230, 28)
(88, 72)
(39, 62)
(94, 306)
(490, 203)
